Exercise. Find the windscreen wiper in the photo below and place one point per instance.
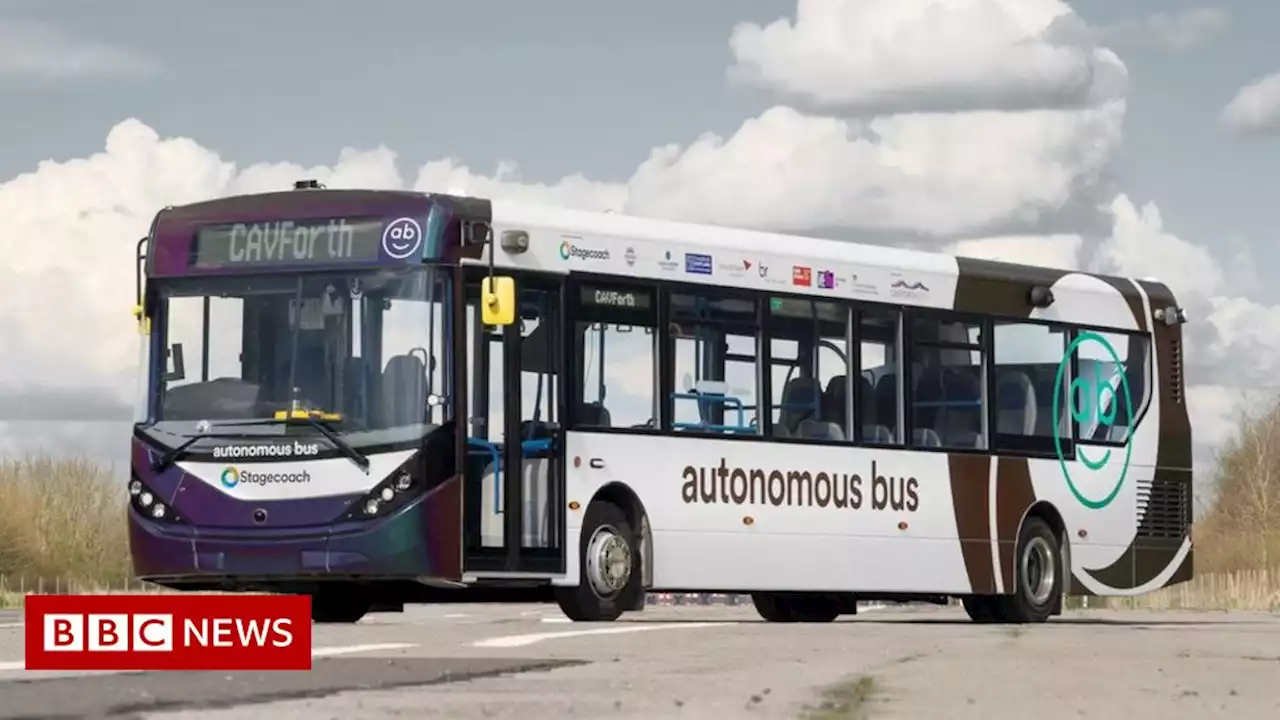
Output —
(327, 430)
(173, 453)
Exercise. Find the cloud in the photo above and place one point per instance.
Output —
(1255, 109)
(31, 49)
(1176, 32)
(929, 56)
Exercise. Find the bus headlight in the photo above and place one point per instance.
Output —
(145, 501)
(388, 496)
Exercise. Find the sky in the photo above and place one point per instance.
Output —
(1139, 138)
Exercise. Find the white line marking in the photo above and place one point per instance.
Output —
(512, 641)
(556, 620)
(10, 626)
(457, 616)
(352, 649)
(315, 652)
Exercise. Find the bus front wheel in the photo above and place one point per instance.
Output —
(607, 562)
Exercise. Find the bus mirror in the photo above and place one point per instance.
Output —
(498, 300)
(144, 322)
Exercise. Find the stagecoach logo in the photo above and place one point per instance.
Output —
(401, 238)
(571, 250)
(231, 477)
(630, 257)
(1094, 403)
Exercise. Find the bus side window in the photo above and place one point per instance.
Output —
(716, 368)
(879, 416)
(615, 357)
(948, 388)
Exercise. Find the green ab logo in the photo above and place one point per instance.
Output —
(1093, 402)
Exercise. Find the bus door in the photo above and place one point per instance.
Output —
(514, 492)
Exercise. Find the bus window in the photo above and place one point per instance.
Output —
(716, 364)
(616, 349)
(810, 366)
(879, 415)
(1025, 363)
(948, 392)
(1107, 363)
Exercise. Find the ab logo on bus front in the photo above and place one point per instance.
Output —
(167, 632)
(1092, 401)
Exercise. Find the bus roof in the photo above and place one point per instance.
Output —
(562, 240)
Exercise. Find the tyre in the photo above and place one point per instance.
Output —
(1038, 575)
(607, 561)
(338, 605)
(773, 608)
(982, 608)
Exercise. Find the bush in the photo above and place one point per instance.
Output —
(62, 519)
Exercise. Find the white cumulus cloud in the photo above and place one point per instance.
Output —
(929, 55)
(1255, 109)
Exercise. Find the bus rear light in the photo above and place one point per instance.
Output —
(371, 507)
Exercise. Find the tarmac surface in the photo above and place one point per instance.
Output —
(722, 662)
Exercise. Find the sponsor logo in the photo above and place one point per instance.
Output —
(294, 449)
(1093, 402)
(167, 632)
(668, 263)
(730, 485)
(630, 257)
(746, 264)
(697, 263)
(570, 250)
(863, 287)
(801, 275)
(907, 288)
(401, 238)
(233, 477)
(826, 279)
(732, 269)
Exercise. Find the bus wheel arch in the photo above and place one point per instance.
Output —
(625, 499)
(1041, 530)
(611, 558)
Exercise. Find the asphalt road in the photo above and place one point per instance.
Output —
(526, 662)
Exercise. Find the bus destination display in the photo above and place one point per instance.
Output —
(288, 242)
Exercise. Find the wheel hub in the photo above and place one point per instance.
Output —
(608, 562)
(1038, 571)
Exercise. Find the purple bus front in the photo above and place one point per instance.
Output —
(298, 360)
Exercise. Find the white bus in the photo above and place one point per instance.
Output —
(691, 409)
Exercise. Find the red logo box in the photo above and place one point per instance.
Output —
(168, 632)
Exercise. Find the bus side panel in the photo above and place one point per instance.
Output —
(744, 515)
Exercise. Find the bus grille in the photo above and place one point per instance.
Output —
(1163, 510)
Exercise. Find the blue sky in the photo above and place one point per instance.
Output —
(566, 87)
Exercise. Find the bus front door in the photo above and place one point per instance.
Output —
(514, 493)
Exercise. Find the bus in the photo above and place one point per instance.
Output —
(379, 397)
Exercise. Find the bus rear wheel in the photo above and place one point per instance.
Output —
(1038, 575)
(607, 563)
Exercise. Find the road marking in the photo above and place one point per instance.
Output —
(10, 626)
(457, 616)
(512, 641)
(556, 620)
(352, 649)
(315, 652)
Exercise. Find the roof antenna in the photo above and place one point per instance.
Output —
(308, 185)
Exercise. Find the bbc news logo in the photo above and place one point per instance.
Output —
(168, 632)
